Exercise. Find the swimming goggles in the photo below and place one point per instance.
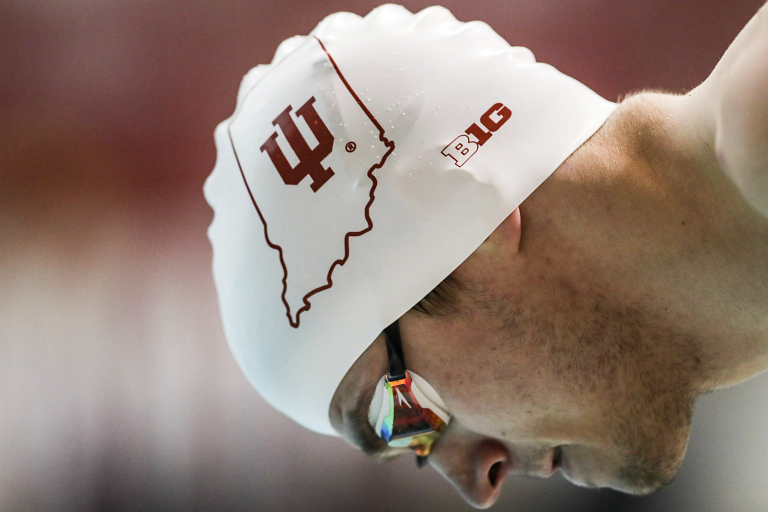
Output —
(405, 410)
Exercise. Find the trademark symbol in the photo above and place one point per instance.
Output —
(350, 147)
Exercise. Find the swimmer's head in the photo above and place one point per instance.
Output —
(359, 169)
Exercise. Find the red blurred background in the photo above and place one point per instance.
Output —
(117, 391)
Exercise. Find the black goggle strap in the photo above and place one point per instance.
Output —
(395, 352)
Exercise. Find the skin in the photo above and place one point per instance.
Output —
(634, 279)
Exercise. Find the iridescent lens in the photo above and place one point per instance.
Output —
(408, 424)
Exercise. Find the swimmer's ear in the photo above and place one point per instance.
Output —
(513, 229)
(507, 236)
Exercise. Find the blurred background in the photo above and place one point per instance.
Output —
(117, 390)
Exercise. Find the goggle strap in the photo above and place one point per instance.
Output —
(394, 352)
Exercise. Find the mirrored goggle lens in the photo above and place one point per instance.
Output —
(408, 424)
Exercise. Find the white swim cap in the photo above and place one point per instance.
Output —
(360, 168)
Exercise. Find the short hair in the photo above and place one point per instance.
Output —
(442, 301)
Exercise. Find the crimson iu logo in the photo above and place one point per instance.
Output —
(310, 160)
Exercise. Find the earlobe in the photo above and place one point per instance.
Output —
(514, 228)
(507, 235)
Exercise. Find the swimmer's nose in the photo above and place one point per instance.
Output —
(476, 467)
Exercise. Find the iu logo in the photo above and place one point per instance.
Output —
(310, 160)
(462, 148)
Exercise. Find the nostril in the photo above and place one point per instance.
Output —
(493, 473)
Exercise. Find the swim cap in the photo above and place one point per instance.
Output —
(359, 169)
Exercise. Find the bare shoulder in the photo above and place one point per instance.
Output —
(731, 110)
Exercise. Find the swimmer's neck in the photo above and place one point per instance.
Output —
(648, 217)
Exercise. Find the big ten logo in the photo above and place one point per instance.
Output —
(310, 160)
(462, 148)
